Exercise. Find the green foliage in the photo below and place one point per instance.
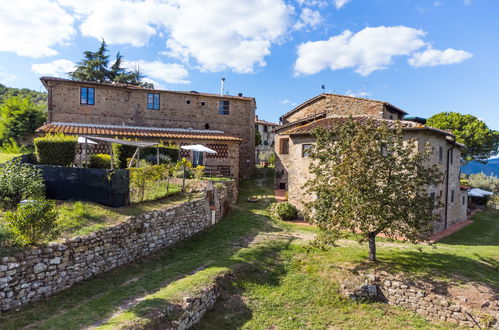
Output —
(258, 138)
(199, 172)
(19, 181)
(39, 98)
(33, 221)
(481, 142)
(99, 161)
(123, 153)
(272, 159)
(58, 149)
(11, 147)
(285, 211)
(142, 177)
(267, 156)
(19, 117)
(367, 178)
(485, 182)
(95, 67)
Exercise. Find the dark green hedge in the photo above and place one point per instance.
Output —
(122, 153)
(57, 149)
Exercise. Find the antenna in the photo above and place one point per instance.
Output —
(222, 82)
(323, 87)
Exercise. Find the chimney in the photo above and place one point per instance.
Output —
(222, 82)
(256, 117)
(240, 94)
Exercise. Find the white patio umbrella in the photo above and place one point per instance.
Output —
(82, 140)
(477, 192)
(199, 148)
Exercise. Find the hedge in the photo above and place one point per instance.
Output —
(122, 153)
(56, 149)
(100, 161)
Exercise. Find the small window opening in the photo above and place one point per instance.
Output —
(206, 126)
(188, 101)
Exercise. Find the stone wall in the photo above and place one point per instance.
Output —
(418, 297)
(40, 272)
(118, 105)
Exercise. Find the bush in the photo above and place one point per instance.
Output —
(163, 159)
(123, 153)
(143, 177)
(19, 181)
(99, 161)
(11, 147)
(285, 211)
(19, 117)
(198, 172)
(33, 221)
(58, 149)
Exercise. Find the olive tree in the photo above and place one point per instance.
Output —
(366, 178)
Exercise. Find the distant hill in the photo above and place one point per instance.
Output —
(490, 168)
(37, 97)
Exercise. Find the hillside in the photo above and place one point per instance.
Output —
(490, 168)
(37, 97)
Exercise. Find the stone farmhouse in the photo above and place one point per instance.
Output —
(266, 130)
(220, 122)
(325, 110)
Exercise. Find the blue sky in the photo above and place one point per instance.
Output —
(424, 56)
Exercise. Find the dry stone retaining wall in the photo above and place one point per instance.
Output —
(416, 297)
(40, 272)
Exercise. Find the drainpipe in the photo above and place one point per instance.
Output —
(49, 103)
(447, 184)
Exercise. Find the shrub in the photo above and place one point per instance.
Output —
(285, 211)
(19, 181)
(199, 172)
(123, 153)
(163, 159)
(142, 177)
(11, 147)
(33, 221)
(271, 159)
(19, 117)
(99, 161)
(58, 149)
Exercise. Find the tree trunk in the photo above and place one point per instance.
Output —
(372, 246)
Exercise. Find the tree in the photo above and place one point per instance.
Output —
(481, 142)
(258, 138)
(94, 67)
(19, 117)
(368, 179)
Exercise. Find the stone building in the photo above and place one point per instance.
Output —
(293, 138)
(266, 130)
(221, 122)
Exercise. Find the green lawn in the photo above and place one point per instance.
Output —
(5, 157)
(280, 281)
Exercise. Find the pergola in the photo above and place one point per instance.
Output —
(136, 155)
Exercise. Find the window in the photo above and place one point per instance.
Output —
(223, 107)
(440, 154)
(432, 200)
(305, 150)
(464, 200)
(265, 128)
(87, 95)
(188, 101)
(265, 143)
(391, 117)
(203, 103)
(284, 146)
(452, 196)
(451, 156)
(153, 101)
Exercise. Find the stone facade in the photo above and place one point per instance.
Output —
(126, 105)
(292, 165)
(342, 105)
(40, 272)
(417, 297)
(266, 130)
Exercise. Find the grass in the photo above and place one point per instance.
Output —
(5, 157)
(280, 282)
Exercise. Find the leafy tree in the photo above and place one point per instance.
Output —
(368, 179)
(38, 98)
(19, 117)
(481, 142)
(258, 138)
(95, 67)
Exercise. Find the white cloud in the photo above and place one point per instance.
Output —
(6, 78)
(433, 57)
(57, 68)
(308, 18)
(171, 73)
(357, 94)
(313, 3)
(33, 27)
(218, 35)
(366, 51)
(340, 3)
(286, 101)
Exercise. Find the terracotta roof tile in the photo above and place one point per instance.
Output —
(144, 132)
(331, 122)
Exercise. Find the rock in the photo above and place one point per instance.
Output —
(55, 261)
(372, 290)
